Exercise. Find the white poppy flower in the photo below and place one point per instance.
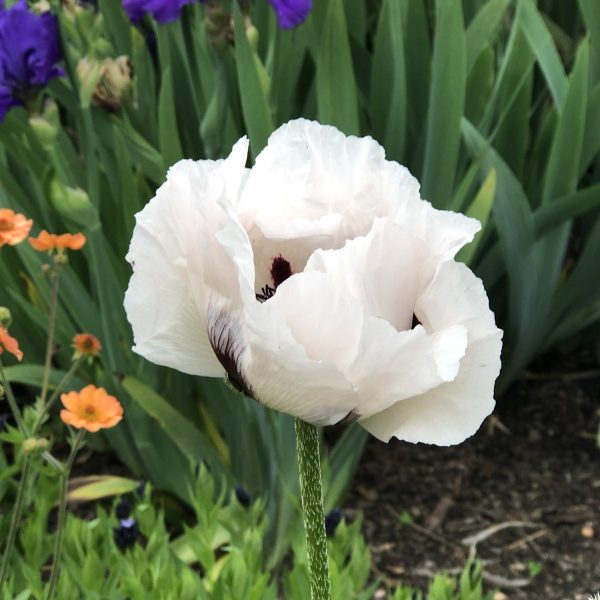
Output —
(320, 284)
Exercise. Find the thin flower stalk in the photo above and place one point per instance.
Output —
(50, 339)
(311, 493)
(59, 388)
(62, 514)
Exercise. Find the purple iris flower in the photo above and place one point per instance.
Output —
(29, 49)
(162, 10)
(291, 13)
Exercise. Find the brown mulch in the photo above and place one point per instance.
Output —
(532, 473)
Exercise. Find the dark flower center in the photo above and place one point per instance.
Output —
(280, 271)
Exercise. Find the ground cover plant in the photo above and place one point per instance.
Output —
(492, 105)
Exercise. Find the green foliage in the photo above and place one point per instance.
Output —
(494, 106)
(219, 554)
(443, 587)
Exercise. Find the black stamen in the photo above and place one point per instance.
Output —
(415, 321)
(280, 270)
(266, 292)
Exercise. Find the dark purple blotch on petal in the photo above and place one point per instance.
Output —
(163, 11)
(415, 321)
(280, 270)
(291, 13)
(29, 51)
(225, 337)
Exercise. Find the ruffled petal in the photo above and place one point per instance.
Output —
(453, 411)
(392, 366)
(294, 350)
(322, 318)
(384, 271)
(313, 181)
(175, 254)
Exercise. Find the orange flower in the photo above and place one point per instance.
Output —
(14, 227)
(47, 242)
(91, 408)
(86, 344)
(9, 343)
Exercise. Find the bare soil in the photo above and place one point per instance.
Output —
(522, 495)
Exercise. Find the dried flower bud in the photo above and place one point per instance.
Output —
(114, 82)
(218, 25)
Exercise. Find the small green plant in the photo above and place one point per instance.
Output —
(533, 568)
(444, 587)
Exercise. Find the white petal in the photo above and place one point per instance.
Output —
(297, 341)
(453, 411)
(445, 232)
(323, 319)
(178, 264)
(392, 366)
(308, 172)
(384, 271)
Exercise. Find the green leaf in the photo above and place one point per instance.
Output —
(446, 104)
(255, 104)
(168, 135)
(479, 209)
(514, 222)
(591, 16)
(566, 208)
(289, 52)
(94, 487)
(591, 135)
(337, 99)
(116, 25)
(388, 82)
(34, 375)
(562, 172)
(483, 28)
(190, 440)
(512, 100)
(540, 41)
(418, 75)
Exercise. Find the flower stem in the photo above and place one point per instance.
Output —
(50, 340)
(12, 401)
(311, 493)
(59, 388)
(14, 522)
(62, 514)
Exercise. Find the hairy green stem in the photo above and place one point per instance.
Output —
(311, 493)
(14, 522)
(62, 514)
